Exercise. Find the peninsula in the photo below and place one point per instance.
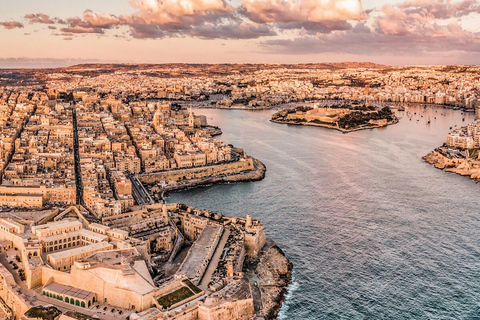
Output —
(163, 261)
(460, 154)
(346, 117)
(85, 232)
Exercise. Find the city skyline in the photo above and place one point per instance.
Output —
(59, 33)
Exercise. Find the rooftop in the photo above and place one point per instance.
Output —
(69, 291)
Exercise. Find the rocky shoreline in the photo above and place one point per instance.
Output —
(270, 275)
(324, 125)
(461, 166)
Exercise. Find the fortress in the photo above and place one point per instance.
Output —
(133, 264)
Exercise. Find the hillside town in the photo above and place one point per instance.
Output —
(460, 153)
(85, 232)
(87, 154)
(57, 153)
(262, 86)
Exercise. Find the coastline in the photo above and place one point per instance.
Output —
(270, 275)
(458, 166)
(246, 176)
(395, 121)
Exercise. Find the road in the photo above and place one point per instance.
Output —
(139, 193)
(76, 154)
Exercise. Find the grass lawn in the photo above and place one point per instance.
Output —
(175, 297)
(192, 287)
(45, 313)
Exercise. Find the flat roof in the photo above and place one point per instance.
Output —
(93, 235)
(57, 225)
(7, 224)
(60, 236)
(98, 225)
(69, 291)
(80, 250)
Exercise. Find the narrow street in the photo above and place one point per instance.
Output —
(78, 173)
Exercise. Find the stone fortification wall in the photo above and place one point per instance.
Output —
(11, 302)
(239, 310)
(200, 172)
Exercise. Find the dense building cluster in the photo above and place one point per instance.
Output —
(82, 148)
(467, 137)
(266, 86)
(127, 265)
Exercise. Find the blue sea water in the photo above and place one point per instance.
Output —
(373, 231)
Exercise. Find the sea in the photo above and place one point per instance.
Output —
(373, 231)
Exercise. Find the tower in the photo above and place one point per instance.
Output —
(248, 222)
(165, 214)
(191, 119)
(230, 271)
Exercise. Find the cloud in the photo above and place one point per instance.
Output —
(441, 9)
(285, 11)
(39, 18)
(243, 30)
(395, 30)
(167, 12)
(11, 24)
(307, 26)
(157, 19)
(91, 23)
(425, 18)
(313, 28)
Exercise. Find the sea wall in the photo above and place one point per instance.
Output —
(461, 166)
(249, 169)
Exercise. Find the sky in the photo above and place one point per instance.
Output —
(393, 32)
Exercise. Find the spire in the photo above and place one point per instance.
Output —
(191, 119)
